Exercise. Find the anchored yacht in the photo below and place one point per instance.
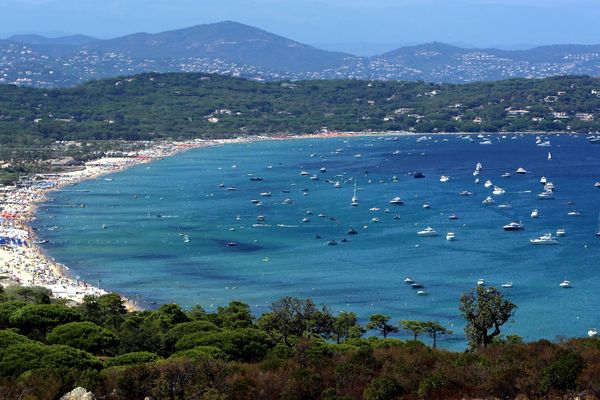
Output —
(429, 231)
(544, 239)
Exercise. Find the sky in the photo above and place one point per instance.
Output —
(481, 23)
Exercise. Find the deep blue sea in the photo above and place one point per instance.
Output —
(159, 232)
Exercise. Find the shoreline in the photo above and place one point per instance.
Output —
(23, 262)
(29, 265)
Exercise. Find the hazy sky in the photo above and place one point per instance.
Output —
(477, 22)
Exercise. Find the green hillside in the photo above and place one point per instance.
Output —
(195, 105)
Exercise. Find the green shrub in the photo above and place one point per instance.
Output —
(562, 374)
(382, 388)
(244, 344)
(183, 329)
(10, 338)
(202, 352)
(139, 357)
(6, 311)
(16, 359)
(84, 336)
(42, 317)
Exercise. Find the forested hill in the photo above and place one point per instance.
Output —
(199, 105)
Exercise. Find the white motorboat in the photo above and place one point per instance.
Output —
(481, 282)
(549, 186)
(507, 285)
(304, 173)
(543, 180)
(488, 200)
(544, 239)
(504, 206)
(426, 205)
(565, 284)
(396, 200)
(408, 280)
(546, 195)
(535, 213)
(593, 332)
(561, 232)
(450, 236)
(521, 170)
(465, 193)
(444, 178)
(374, 219)
(513, 226)
(265, 194)
(422, 292)
(574, 213)
(498, 191)
(429, 231)
(506, 175)
(323, 169)
(337, 185)
(597, 184)
(488, 184)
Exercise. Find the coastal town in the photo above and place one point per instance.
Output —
(26, 65)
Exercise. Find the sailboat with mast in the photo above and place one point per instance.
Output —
(354, 197)
(549, 156)
(598, 229)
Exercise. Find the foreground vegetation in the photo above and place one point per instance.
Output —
(295, 351)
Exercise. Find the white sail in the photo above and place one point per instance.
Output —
(549, 156)
(354, 197)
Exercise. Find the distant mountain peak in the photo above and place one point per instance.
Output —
(227, 40)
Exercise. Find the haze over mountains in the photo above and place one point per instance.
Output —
(236, 49)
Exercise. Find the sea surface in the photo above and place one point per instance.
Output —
(184, 229)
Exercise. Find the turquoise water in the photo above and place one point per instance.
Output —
(148, 210)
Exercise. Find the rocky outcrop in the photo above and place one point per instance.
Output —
(79, 394)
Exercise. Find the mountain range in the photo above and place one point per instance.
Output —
(236, 49)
